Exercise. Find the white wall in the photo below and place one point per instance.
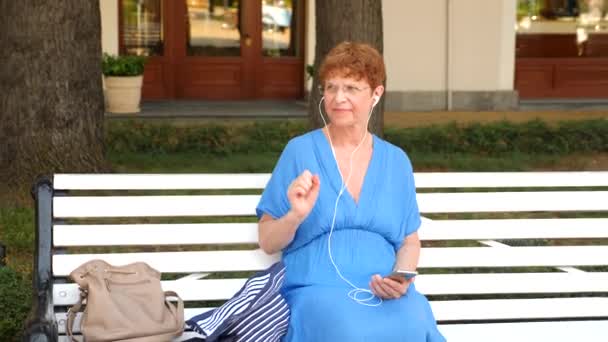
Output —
(109, 26)
(309, 50)
(415, 44)
(507, 54)
(482, 44)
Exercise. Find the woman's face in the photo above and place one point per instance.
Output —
(348, 101)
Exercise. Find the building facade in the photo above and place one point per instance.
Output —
(440, 54)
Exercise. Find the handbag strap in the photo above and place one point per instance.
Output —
(72, 315)
(178, 312)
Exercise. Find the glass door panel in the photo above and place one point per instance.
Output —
(142, 27)
(279, 29)
(213, 28)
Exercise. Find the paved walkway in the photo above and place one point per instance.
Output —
(297, 109)
(564, 105)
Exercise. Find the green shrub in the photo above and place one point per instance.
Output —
(15, 302)
(213, 139)
(122, 65)
(492, 139)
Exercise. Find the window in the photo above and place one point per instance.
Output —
(214, 28)
(142, 31)
(562, 28)
(279, 28)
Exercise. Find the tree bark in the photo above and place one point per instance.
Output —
(51, 101)
(338, 21)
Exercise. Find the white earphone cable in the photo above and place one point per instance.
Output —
(356, 291)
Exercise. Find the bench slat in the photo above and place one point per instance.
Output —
(429, 284)
(512, 201)
(498, 309)
(155, 206)
(241, 205)
(155, 234)
(189, 262)
(563, 331)
(246, 233)
(510, 179)
(486, 309)
(498, 229)
(174, 262)
(61, 318)
(188, 290)
(512, 283)
(258, 181)
(160, 181)
(513, 257)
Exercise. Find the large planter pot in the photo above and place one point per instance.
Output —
(123, 94)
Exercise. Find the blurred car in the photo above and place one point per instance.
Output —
(276, 17)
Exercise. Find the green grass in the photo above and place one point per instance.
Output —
(17, 234)
(15, 299)
(264, 162)
(464, 162)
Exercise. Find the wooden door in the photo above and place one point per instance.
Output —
(217, 49)
(280, 63)
(239, 49)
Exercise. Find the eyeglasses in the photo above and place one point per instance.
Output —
(348, 89)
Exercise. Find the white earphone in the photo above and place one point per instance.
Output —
(376, 99)
(356, 292)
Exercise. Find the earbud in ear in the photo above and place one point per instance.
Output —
(376, 99)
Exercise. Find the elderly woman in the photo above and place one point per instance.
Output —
(341, 206)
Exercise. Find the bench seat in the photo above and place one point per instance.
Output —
(517, 256)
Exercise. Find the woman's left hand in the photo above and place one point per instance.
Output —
(389, 288)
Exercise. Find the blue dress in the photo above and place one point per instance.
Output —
(364, 242)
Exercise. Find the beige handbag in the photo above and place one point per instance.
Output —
(124, 303)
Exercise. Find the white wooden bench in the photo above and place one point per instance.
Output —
(537, 273)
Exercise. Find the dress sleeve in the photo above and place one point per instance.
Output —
(274, 200)
(411, 220)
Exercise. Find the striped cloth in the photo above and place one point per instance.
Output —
(257, 312)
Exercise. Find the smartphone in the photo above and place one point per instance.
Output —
(402, 274)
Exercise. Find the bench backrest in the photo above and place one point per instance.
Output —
(496, 246)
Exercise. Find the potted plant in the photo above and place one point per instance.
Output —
(123, 78)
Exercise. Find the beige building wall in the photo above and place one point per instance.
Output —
(481, 57)
(414, 44)
(450, 54)
(415, 54)
(445, 54)
(109, 26)
(414, 36)
(309, 49)
(482, 34)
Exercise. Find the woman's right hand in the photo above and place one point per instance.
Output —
(302, 194)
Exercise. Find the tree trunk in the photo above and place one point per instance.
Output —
(51, 102)
(338, 21)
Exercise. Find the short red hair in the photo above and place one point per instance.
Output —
(356, 60)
